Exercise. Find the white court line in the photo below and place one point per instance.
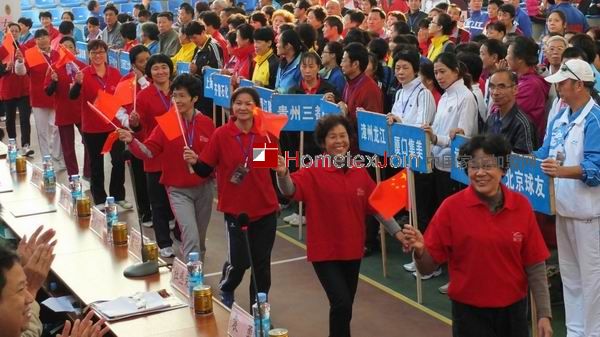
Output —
(272, 263)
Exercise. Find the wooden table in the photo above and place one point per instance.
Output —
(93, 270)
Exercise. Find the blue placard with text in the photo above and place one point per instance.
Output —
(208, 81)
(457, 171)
(409, 147)
(373, 132)
(303, 111)
(113, 58)
(81, 51)
(221, 90)
(124, 64)
(264, 93)
(183, 68)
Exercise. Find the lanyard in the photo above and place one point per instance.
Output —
(245, 152)
(405, 103)
(101, 81)
(166, 102)
(188, 126)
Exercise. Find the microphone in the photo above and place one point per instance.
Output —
(242, 222)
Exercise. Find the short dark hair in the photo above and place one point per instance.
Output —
(492, 144)
(508, 9)
(111, 7)
(92, 4)
(401, 27)
(144, 13)
(92, 20)
(139, 7)
(124, 17)
(40, 33)
(167, 15)
(236, 20)
(585, 43)
(319, 12)
(373, 3)
(379, 11)
(231, 38)
(96, 44)
(574, 53)
(292, 38)
(356, 16)
(495, 47)
(201, 7)
(357, 35)
(246, 32)
(186, 7)
(473, 62)
(188, 82)
(358, 52)
(129, 30)
(445, 21)
(514, 79)
(45, 14)
(335, 21)
(246, 90)
(8, 258)
(211, 19)
(411, 56)
(379, 47)
(135, 51)
(467, 47)
(479, 39)
(442, 6)
(264, 34)
(66, 27)
(155, 59)
(67, 38)
(25, 21)
(411, 40)
(336, 48)
(498, 3)
(194, 28)
(308, 34)
(325, 124)
(303, 4)
(260, 17)
(69, 13)
(151, 30)
(526, 49)
(311, 55)
(497, 26)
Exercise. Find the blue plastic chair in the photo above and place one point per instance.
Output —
(26, 4)
(67, 4)
(120, 1)
(127, 8)
(81, 15)
(56, 13)
(32, 14)
(156, 6)
(45, 4)
(174, 5)
(249, 5)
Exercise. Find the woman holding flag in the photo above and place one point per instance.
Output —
(96, 84)
(68, 112)
(242, 188)
(181, 130)
(335, 233)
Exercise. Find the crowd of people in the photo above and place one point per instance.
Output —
(449, 68)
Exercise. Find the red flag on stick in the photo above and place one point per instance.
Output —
(125, 91)
(169, 123)
(101, 114)
(391, 195)
(9, 45)
(107, 104)
(64, 56)
(269, 123)
(34, 57)
(110, 140)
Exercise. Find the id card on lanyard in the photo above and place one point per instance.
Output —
(242, 170)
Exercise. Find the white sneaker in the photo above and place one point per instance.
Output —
(125, 204)
(147, 224)
(3, 119)
(290, 217)
(444, 289)
(296, 221)
(172, 224)
(167, 252)
(410, 267)
(26, 151)
(432, 275)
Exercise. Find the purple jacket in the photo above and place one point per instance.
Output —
(531, 99)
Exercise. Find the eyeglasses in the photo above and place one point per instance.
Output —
(565, 67)
(99, 52)
(500, 87)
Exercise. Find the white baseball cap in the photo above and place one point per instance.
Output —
(574, 69)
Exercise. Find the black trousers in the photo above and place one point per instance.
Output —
(426, 203)
(339, 279)
(261, 234)
(94, 143)
(161, 209)
(444, 186)
(11, 106)
(139, 184)
(470, 321)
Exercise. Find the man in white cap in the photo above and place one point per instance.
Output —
(572, 156)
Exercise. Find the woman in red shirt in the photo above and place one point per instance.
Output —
(242, 188)
(337, 205)
(191, 196)
(68, 111)
(99, 76)
(492, 243)
(241, 61)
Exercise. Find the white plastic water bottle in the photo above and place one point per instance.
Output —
(49, 175)
(195, 276)
(75, 186)
(12, 155)
(112, 217)
(265, 311)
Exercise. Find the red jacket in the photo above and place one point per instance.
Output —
(395, 5)
(11, 84)
(243, 57)
(175, 171)
(52, 32)
(90, 121)
(362, 92)
(37, 74)
(68, 111)
(150, 104)
(222, 43)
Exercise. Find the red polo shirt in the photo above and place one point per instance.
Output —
(151, 102)
(486, 253)
(336, 208)
(255, 195)
(68, 111)
(175, 171)
(90, 121)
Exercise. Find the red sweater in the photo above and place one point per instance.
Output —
(90, 121)
(68, 111)
(175, 171)
(150, 105)
(362, 92)
(11, 84)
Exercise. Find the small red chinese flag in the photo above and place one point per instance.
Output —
(9, 45)
(107, 104)
(110, 140)
(34, 57)
(169, 123)
(125, 91)
(64, 56)
(391, 195)
(269, 123)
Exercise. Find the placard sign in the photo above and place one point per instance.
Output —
(124, 64)
(373, 132)
(303, 111)
(221, 90)
(65, 199)
(183, 68)
(36, 176)
(409, 147)
(457, 171)
(241, 323)
(179, 277)
(135, 244)
(98, 222)
(81, 51)
(208, 82)
(113, 58)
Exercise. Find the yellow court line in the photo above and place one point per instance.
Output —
(381, 287)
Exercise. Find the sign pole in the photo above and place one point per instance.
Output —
(300, 205)
(381, 228)
(413, 222)
(214, 114)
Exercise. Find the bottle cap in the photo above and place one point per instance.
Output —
(110, 200)
(47, 157)
(193, 257)
(262, 297)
